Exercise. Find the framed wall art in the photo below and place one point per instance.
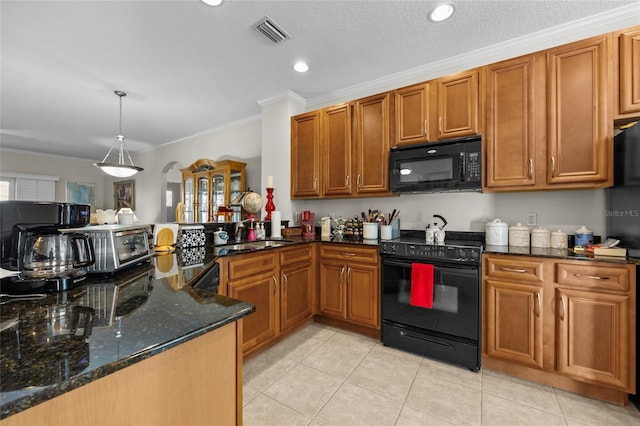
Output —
(123, 195)
(81, 193)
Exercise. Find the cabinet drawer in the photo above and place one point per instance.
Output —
(291, 255)
(246, 265)
(593, 276)
(350, 253)
(514, 268)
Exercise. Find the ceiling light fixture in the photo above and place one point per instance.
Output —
(441, 12)
(301, 66)
(119, 169)
(212, 2)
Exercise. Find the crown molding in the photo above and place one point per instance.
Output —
(286, 95)
(615, 19)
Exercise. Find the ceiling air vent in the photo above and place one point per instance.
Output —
(268, 28)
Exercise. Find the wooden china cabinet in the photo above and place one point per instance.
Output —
(208, 184)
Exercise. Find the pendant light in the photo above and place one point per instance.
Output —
(119, 169)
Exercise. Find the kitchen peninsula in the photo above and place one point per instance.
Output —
(151, 350)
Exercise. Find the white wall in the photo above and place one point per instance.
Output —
(240, 141)
(67, 169)
(470, 211)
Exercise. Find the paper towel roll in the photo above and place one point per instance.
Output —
(275, 224)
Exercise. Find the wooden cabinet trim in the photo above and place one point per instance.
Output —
(350, 253)
(249, 264)
(628, 49)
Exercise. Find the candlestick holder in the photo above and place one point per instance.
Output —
(270, 206)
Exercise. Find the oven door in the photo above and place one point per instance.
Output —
(456, 298)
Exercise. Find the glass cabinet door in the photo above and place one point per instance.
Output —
(188, 200)
(218, 193)
(203, 199)
(236, 189)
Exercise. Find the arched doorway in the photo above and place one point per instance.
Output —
(171, 190)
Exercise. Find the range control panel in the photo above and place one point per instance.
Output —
(462, 254)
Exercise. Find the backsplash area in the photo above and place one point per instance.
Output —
(470, 211)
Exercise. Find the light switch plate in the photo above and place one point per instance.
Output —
(532, 219)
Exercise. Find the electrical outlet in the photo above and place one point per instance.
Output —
(532, 219)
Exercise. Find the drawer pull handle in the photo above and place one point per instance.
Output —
(593, 277)
(520, 271)
(348, 254)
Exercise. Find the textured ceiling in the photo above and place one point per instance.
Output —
(188, 68)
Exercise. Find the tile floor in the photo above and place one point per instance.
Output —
(325, 376)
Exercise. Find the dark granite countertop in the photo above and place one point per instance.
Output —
(568, 254)
(135, 314)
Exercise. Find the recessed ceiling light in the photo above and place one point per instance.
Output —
(441, 12)
(212, 2)
(301, 66)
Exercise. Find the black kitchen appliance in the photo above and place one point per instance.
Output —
(450, 330)
(26, 227)
(623, 210)
(454, 165)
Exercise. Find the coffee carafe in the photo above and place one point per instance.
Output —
(56, 255)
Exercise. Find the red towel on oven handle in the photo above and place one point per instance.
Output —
(421, 285)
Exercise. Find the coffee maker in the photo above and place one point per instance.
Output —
(34, 254)
(308, 224)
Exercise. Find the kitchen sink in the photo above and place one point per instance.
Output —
(251, 245)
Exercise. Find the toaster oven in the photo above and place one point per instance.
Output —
(117, 246)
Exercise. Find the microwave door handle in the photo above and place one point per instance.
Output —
(462, 166)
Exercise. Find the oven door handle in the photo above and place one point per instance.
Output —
(396, 263)
(405, 334)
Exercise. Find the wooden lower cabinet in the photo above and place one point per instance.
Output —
(349, 284)
(253, 278)
(296, 285)
(514, 322)
(593, 336)
(565, 323)
(196, 383)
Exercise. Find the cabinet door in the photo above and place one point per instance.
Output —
(457, 105)
(296, 294)
(202, 198)
(629, 61)
(580, 120)
(336, 122)
(372, 144)
(412, 114)
(305, 155)
(332, 291)
(511, 120)
(188, 198)
(513, 322)
(593, 337)
(363, 294)
(262, 324)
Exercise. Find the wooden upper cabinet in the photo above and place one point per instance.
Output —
(336, 124)
(579, 115)
(514, 102)
(412, 114)
(457, 108)
(305, 155)
(372, 142)
(628, 105)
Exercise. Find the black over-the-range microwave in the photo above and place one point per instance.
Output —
(449, 166)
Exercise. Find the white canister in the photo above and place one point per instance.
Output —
(541, 238)
(497, 233)
(220, 237)
(370, 230)
(583, 236)
(559, 239)
(519, 235)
